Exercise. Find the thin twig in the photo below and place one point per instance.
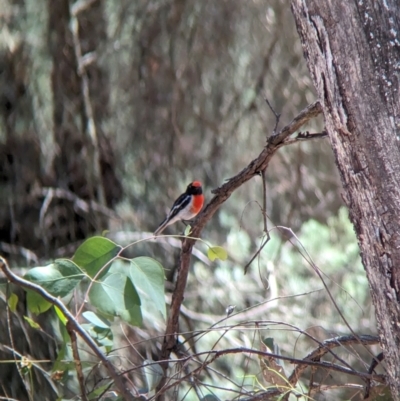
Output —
(35, 364)
(264, 211)
(77, 360)
(373, 365)
(265, 219)
(277, 116)
(91, 130)
(11, 338)
(72, 321)
(259, 250)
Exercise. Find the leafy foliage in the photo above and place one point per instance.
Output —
(58, 278)
(95, 254)
(116, 288)
(114, 292)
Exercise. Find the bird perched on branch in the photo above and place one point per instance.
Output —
(187, 206)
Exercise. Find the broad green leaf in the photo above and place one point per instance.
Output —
(115, 295)
(31, 322)
(61, 316)
(13, 302)
(153, 373)
(58, 278)
(132, 315)
(94, 254)
(36, 303)
(147, 276)
(217, 252)
(96, 320)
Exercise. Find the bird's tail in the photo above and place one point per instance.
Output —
(161, 227)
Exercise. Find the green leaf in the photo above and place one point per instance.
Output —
(217, 252)
(96, 320)
(59, 278)
(13, 302)
(36, 303)
(115, 295)
(153, 373)
(31, 322)
(132, 315)
(147, 275)
(94, 254)
(103, 337)
(188, 229)
(61, 315)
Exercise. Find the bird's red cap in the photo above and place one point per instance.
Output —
(196, 184)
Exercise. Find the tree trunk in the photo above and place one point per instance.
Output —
(353, 50)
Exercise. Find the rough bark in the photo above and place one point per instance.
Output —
(353, 50)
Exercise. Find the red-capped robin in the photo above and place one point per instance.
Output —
(187, 206)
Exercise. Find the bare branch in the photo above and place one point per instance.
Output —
(373, 365)
(91, 130)
(77, 360)
(264, 212)
(277, 116)
(246, 267)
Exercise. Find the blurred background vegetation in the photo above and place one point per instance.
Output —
(110, 108)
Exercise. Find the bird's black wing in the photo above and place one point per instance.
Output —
(179, 204)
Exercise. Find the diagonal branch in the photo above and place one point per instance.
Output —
(77, 360)
(222, 193)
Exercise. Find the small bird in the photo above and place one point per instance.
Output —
(187, 206)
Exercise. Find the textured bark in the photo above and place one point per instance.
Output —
(353, 50)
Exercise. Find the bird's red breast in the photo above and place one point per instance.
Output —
(197, 203)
